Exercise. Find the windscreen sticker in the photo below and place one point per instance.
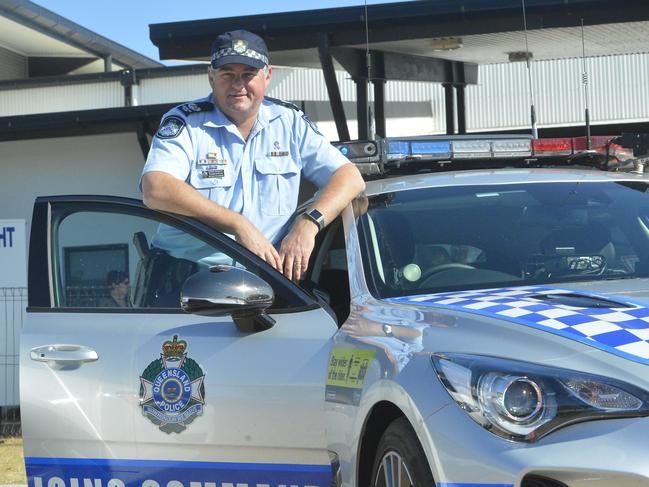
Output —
(172, 388)
(73, 472)
(622, 331)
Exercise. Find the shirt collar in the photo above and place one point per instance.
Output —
(267, 113)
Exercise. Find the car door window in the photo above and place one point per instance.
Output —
(111, 260)
(328, 277)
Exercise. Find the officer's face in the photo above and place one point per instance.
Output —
(239, 89)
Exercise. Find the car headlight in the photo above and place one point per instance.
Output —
(523, 401)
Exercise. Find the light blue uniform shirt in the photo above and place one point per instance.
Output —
(258, 178)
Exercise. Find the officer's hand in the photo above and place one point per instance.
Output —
(252, 239)
(297, 247)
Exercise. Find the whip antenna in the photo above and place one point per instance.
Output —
(535, 132)
(584, 80)
(368, 64)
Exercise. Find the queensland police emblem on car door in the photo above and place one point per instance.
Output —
(171, 388)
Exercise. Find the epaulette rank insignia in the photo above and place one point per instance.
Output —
(201, 106)
(283, 103)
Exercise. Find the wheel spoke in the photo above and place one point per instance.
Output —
(387, 470)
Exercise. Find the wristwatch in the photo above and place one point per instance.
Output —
(387, 330)
(316, 217)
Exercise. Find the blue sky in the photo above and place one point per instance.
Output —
(127, 21)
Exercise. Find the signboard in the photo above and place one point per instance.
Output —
(13, 253)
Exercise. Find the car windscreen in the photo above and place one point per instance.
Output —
(476, 237)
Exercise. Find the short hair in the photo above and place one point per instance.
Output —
(115, 277)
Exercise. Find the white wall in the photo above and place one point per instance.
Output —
(96, 164)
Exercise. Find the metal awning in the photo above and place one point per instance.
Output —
(437, 40)
(55, 45)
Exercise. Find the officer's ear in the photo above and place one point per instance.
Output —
(268, 72)
(210, 75)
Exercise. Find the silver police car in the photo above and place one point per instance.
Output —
(480, 317)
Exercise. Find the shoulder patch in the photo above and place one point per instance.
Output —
(170, 127)
(201, 106)
(283, 103)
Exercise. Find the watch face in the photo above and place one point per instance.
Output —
(315, 214)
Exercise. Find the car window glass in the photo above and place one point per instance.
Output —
(113, 260)
(470, 237)
(329, 275)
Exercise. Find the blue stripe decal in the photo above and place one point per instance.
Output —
(83, 472)
(104, 462)
(622, 331)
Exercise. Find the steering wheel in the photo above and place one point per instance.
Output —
(441, 268)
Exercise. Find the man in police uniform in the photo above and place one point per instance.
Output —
(233, 160)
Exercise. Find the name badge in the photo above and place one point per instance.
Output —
(279, 153)
(213, 173)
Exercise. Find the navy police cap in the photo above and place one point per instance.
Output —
(239, 47)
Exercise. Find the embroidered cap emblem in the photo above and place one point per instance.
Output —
(171, 388)
(239, 46)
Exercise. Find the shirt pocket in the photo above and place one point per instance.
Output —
(278, 183)
(204, 177)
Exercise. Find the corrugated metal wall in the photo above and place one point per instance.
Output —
(12, 65)
(618, 91)
(61, 98)
(176, 89)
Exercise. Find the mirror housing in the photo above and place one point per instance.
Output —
(225, 290)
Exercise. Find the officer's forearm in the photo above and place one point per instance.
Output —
(162, 191)
(342, 188)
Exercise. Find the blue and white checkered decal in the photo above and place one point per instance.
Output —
(622, 331)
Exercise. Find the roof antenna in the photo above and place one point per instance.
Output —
(368, 64)
(535, 132)
(584, 80)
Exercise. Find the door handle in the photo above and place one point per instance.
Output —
(64, 354)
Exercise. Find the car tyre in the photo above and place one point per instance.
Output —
(400, 460)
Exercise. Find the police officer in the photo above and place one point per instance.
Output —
(233, 160)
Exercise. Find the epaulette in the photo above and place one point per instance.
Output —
(283, 103)
(293, 106)
(196, 107)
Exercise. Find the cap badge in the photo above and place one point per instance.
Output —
(240, 46)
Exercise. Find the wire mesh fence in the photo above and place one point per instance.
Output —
(10, 422)
(13, 302)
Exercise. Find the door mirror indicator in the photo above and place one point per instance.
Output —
(225, 290)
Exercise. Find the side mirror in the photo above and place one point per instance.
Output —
(225, 290)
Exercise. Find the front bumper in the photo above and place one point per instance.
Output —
(594, 454)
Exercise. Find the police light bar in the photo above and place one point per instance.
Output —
(458, 147)
(606, 152)
(417, 149)
(365, 154)
(552, 147)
